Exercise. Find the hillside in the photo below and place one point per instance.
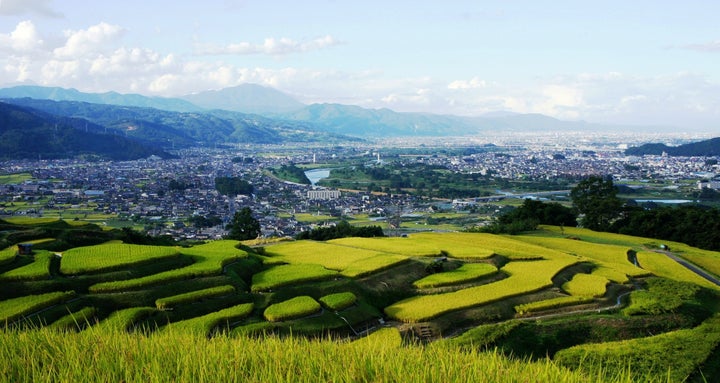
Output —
(493, 292)
(28, 133)
(704, 148)
(177, 129)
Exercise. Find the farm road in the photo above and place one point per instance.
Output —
(695, 269)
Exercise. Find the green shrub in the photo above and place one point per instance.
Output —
(661, 296)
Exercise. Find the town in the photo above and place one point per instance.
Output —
(162, 196)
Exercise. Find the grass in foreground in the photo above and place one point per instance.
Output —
(100, 356)
(675, 354)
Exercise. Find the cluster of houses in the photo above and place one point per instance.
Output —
(164, 194)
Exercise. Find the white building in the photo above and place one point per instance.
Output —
(323, 194)
(705, 184)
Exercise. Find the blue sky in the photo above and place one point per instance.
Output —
(633, 62)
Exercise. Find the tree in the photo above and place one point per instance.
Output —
(595, 198)
(233, 186)
(243, 226)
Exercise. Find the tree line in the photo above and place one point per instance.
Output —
(595, 206)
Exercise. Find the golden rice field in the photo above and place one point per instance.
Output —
(586, 285)
(611, 256)
(328, 255)
(524, 277)
(96, 355)
(464, 273)
(662, 266)
(456, 245)
(283, 275)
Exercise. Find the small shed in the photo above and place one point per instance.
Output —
(24, 248)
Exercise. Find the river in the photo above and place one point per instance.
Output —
(316, 175)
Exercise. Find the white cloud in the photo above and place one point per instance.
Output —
(24, 38)
(95, 60)
(271, 46)
(473, 83)
(89, 41)
(19, 7)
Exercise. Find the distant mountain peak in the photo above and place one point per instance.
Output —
(246, 98)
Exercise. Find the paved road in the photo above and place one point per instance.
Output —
(695, 269)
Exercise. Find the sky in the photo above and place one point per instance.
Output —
(622, 62)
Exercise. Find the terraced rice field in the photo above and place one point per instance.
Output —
(205, 324)
(112, 256)
(614, 257)
(586, 285)
(209, 259)
(283, 275)
(661, 265)
(37, 270)
(465, 273)
(524, 277)
(297, 307)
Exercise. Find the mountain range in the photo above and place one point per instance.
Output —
(255, 114)
(27, 133)
(331, 118)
